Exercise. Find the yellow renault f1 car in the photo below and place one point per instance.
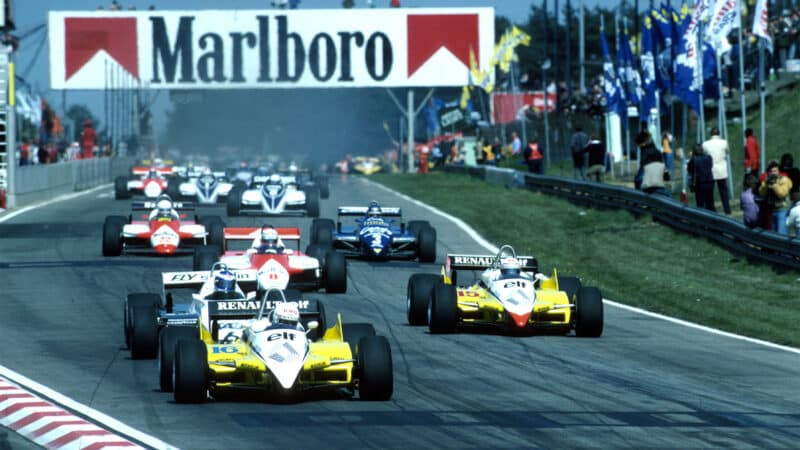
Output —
(508, 294)
(280, 360)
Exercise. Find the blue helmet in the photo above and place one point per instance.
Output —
(224, 281)
(374, 209)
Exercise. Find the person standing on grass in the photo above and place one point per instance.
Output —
(578, 147)
(666, 150)
(597, 159)
(533, 157)
(788, 169)
(717, 149)
(701, 179)
(752, 152)
(775, 190)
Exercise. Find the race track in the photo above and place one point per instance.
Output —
(645, 383)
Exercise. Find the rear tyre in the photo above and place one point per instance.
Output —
(414, 226)
(376, 381)
(353, 332)
(144, 332)
(589, 320)
(167, 340)
(324, 188)
(418, 295)
(312, 202)
(571, 286)
(234, 204)
(133, 301)
(121, 188)
(112, 235)
(323, 234)
(335, 273)
(426, 245)
(443, 309)
(204, 257)
(190, 371)
(318, 252)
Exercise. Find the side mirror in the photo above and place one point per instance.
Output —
(251, 295)
(312, 325)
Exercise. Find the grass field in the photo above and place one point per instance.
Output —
(633, 261)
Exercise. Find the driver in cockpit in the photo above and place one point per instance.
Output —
(268, 242)
(164, 210)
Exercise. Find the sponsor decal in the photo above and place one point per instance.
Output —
(474, 260)
(237, 305)
(87, 36)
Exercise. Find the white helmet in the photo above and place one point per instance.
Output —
(274, 179)
(509, 267)
(269, 236)
(286, 313)
(164, 206)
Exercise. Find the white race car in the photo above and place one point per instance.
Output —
(274, 195)
(207, 188)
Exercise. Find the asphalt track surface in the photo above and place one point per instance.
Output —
(645, 383)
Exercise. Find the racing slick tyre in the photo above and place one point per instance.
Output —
(133, 301)
(318, 252)
(426, 245)
(173, 188)
(352, 333)
(167, 340)
(204, 257)
(315, 224)
(571, 286)
(589, 320)
(312, 202)
(335, 272)
(420, 287)
(414, 226)
(323, 232)
(238, 185)
(112, 235)
(234, 204)
(144, 332)
(442, 309)
(375, 366)
(121, 188)
(190, 371)
(215, 228)
(324, 188)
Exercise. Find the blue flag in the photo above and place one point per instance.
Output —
(665, 41)
(647, 61)
(611, 86)
(628, 74)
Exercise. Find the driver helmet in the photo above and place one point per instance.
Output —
(274, 179)
(509, 267)
(373, 210)
(152, 173)
(286, 313)
(224, 281)
(164, 206)
(269, 237)
(292, 167)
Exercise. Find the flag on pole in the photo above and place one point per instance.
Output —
(611, 86)
(479, 77)
(761, 24)
(725, 16)
(628, 74)
(647, 61)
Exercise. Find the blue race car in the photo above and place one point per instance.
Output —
(376, 233)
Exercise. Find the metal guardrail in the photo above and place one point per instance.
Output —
(755, 244)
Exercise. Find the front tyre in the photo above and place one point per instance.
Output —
(234, 203)
(589, 314)
(418, 295)
(443, 309)
(190, 371)
(426, 245)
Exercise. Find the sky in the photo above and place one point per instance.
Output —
(32, 58)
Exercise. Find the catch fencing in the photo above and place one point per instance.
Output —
(754, 244)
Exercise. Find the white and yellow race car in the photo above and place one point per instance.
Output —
(508, 294)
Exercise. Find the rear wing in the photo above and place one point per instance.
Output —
(482, 262)
(289, 235)
(195, 279)
(145, 170)
(149, 206)
(361, 211)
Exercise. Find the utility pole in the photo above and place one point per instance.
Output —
(581, 47)
(568, 50)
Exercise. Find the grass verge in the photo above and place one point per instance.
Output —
(633, 261)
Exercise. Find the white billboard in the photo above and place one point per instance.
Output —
(224, 49)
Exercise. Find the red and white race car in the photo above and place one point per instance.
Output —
(163, 227)
(282, 267)
(150, 182)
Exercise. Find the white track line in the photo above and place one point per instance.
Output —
(493, 249)
(61, 399)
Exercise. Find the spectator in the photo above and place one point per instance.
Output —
(775, 189)
(752, 152)
(516, 143)
(597, 159)
(497, 150)
(648, 150)
(748, 200)
(701, 178)
(88, 137)
(24, 152)
(74, 151)
(654, 173)
(533, 157)
(793, 220)
(788, 168)
(717, 149)
(666, 150)
(578, 147)
(42, 155)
